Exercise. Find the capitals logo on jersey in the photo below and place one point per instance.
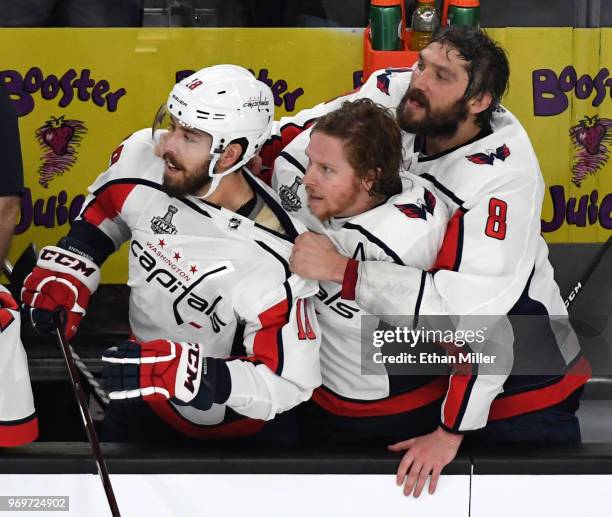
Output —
(501, 153)
(421, 208)
(383, 80)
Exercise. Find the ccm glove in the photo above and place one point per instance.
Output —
(61, 280)
(8, 309)
(161, 370)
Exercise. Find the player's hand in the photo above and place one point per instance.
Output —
(8, 308)
(161, 370)
(427, 454)
(315, 257)
(61, 281)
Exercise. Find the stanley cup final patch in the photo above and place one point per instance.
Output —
(290, 200)
(164, 224)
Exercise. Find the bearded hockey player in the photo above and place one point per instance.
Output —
(347, 188)
(493, 260)
(224, 336)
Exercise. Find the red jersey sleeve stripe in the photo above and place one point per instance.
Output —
(6, 318)
(349, 282)
(108, 203)
(268, 342)
(459, 390)
(449, 256)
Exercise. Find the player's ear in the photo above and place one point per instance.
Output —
(480, 102)
(230, 156)
(370, 178)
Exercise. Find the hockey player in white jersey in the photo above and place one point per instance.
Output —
(493, 259)
(349, 190)
(18, 421)
(224, 335)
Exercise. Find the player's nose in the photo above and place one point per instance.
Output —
(169, 142)
(310, 174)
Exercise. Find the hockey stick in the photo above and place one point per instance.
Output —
(16, 275)
(571, 297)
(86, 417)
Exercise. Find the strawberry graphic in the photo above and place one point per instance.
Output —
(59, 139)
(57, 135)
(590, 133)
(591, 139)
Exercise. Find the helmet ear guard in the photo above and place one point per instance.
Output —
(228, 103)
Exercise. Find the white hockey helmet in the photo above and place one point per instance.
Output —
(228, 103)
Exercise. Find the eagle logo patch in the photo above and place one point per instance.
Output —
(421, 208)
(501, 153)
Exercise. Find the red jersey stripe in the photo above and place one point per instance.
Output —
(449, 255)
(533, 400)
(389, 406)
(242, 427)
(457, 389)
(19, 434)
(267, 340)
(275, 145)
(108, 204)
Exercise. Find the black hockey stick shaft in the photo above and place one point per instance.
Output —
(92, 436)
(573, 294)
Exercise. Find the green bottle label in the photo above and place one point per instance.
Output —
(386, 27)
(464, 16)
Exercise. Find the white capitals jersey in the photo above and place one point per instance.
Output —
(201, 273)
(406, 230)
(493, 260)
(18, 421)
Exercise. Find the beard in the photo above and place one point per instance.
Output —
(342, 203)
(188, 183)
(435, 123)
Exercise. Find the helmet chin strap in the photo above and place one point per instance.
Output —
(216, 177)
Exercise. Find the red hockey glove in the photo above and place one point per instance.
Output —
(8, 306)
(61, 280)
(161, 370)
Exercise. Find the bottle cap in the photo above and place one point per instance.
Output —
(386, 3)
(464, 3)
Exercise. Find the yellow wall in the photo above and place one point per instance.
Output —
(320, 62)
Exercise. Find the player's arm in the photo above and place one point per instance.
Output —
(411, 235)
(12, 172)
(484, 265)
(280, 370)
(9, 210)
(67, 275)
(282, 340)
